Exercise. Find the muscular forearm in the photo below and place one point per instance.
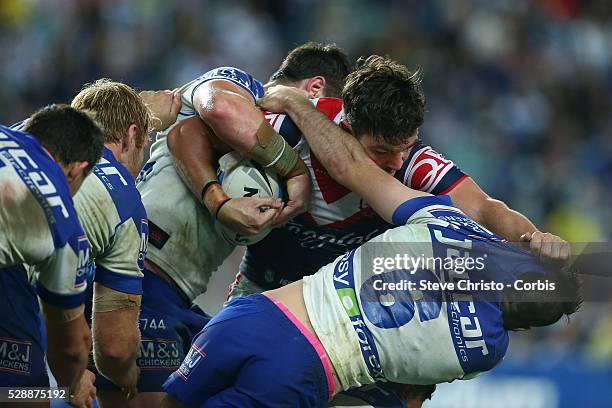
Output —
(504, 221)
(493, 214)
(339, 152)
(68, 345)
(115, 333)
(116, 339)
(195, 151)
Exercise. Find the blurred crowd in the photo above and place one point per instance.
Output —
(519, 93)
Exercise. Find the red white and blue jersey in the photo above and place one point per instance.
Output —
(338, 219)
(38, 223)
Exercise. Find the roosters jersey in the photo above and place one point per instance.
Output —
(182, 238)
(338, 219)
(38, 223)
(420, 334)
(114, 219)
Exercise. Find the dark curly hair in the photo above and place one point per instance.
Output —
(382, 99)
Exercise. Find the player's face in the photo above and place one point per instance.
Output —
(388, 157)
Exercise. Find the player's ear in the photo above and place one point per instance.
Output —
(129, 138)
(346, 125)
(316, 87)
(75, 174)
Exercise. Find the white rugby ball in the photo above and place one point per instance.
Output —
(242, 177)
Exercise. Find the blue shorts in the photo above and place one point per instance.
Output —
(22, 335)
(252, 354)
(168, 323)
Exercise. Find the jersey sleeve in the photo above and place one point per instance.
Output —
(419, 210)
(120, 267)
(63, 276)
(230, 74)
(429, 171)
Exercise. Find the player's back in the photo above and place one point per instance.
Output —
(36, 204)
(392, 303)
(112, 214)
(39, 225)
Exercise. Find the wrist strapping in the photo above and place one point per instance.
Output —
(272, 151)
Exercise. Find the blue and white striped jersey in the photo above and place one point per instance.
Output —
(38, 222)
(114, 219)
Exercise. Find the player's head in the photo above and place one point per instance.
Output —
(319, 69)
(531, 305)
(384, 108)
(122, 115)
(71, 137)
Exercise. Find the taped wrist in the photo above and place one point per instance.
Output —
(108, 300)
(214, 197)
(272, 151)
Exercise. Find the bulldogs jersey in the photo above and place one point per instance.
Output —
(114, 219)
(39, 225)
(338, 219)
(182, 238)
(420, 335)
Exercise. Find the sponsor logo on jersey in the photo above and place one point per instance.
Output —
(144, 240)
(83, 267)
(345, 288)
(159, 354)
(426, 169)
(15, 356)
(192, 359)
(34, 178)
(157, 236)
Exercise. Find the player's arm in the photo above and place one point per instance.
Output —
(196, 150)
(493, 214)
(164, 106)
(340, 153)
(116, 336)
(68, 344)
(230, 112)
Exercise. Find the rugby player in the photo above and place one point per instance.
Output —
(335, 211)
(41, 167)
(184, 248)
(338, 219)
(336, 329)
(114, 219)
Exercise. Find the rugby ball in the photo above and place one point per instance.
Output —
(242, 177)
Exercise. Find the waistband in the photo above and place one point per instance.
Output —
(312, 339)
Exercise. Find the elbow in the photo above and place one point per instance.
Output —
(220, 109)
(113, 352)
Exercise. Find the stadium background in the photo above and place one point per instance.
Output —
(519, 94)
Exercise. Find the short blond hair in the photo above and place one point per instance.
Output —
(116, 106)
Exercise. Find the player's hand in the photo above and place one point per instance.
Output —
(85, 393)
(298, 190)
(129, 382)
(548, 247)
(279, 97)
(164, 106)
(250, 215)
